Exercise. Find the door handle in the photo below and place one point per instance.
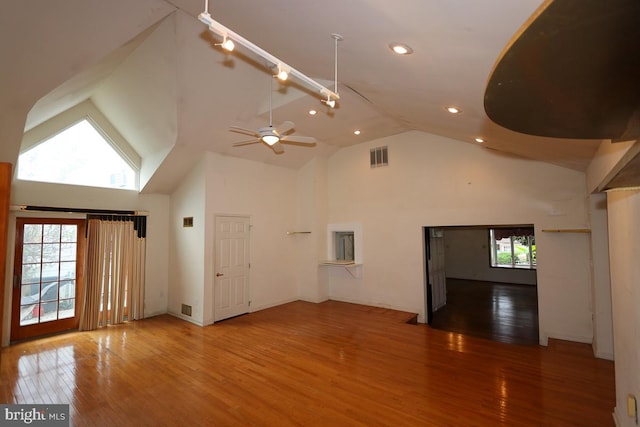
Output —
(219, 274)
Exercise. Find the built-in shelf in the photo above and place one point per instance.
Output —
(350, 266)
(289, 233)
(566, 230)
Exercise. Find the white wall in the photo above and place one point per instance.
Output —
(437, 181)
(624, 234)
(187, 259)
(601, 282)
(467, 256)
(144, 86)
(42, 194)
(312, 217)
(268, 196)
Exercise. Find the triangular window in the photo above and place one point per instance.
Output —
(79, 155)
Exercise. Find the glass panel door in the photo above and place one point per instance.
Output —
(47, 276)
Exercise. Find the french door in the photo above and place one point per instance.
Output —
(48, 276)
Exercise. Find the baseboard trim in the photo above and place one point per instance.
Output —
(183, 317)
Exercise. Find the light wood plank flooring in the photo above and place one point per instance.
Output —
(304, 364)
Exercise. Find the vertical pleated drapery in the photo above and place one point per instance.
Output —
(115, 272)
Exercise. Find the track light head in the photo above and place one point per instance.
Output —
(330, 102)
(227, 44)
(282, 73)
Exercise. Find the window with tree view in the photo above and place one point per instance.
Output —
(513, 247)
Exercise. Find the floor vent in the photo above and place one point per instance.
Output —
(379, 157)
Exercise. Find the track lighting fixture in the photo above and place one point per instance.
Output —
(227, 44)
(230, 38)
(282, 73)
(330, 102)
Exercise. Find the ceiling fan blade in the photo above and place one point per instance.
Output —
(284, 127)
(299, 139)
(278, 148)
(243, 131)
(249, 142)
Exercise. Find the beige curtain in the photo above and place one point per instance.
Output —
(115, 275)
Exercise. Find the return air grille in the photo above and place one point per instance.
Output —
(379, 157)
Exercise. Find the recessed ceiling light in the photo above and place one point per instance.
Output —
(400, 48)
(356, 132)
(312, 112)
(453, 110)
(479, 140)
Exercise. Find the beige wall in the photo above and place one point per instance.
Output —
(624, 235)
(436, 181)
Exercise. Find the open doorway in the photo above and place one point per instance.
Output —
(483, 282)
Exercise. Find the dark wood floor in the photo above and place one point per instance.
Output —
(303, 364)
(496, 311)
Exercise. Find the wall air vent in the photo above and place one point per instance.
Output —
(379, 157)
(187, 221)
(186, 310)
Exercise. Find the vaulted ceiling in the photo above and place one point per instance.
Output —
(153, 69)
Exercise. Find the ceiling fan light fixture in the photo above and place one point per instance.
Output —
(270, 138)
(400, 48)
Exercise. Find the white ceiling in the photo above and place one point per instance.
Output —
(456, 43)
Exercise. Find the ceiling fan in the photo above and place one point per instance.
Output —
(274, 137)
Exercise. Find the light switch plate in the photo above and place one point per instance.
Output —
(632, 407)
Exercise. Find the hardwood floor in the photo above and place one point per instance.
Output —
(495, 311)
(304, 364)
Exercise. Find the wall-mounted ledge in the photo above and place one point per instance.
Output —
(351, 267)
(289, 233)
(566, 230)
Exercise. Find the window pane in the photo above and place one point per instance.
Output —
(68, 270)
(50, 271)
(514, 251)
(49, 311)
(31, 253)
(51, 233)
(69, 233)
(67, 308)
(29, 314)
(79, 155)
(30, 273)
(30, 294)
(32, 233)
(51, 252)
(68, 252)
(49, 292)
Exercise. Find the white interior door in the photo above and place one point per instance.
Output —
(437, 270)
(231, 283)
